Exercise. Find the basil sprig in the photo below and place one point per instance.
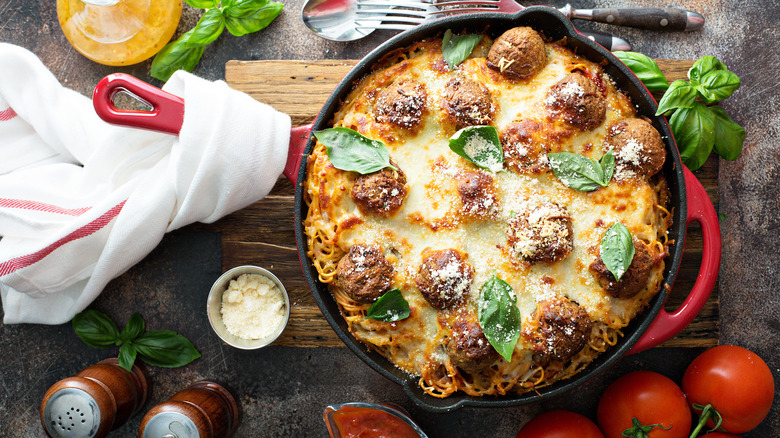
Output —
(240, 17)
(681, 94)
(352, 151)
(580, 172)
(389, 307)
(480, 145)
(697, 127)
(617, 250)
(729, 136)
(458, 47)
(645, 69)
(499, 316)
(160, 348)
(694, 130)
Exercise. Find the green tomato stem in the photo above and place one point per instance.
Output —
(638, 430)
(707, 412)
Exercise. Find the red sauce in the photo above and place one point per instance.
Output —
(355, 422)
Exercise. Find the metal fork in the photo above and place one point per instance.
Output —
(405, 14)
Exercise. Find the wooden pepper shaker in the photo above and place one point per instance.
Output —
(202, 410)
(97, 400)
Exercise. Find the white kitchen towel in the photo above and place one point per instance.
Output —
(81, 201)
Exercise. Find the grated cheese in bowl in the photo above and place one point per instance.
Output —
(248, 307)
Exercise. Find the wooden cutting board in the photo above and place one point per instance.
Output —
(262, 234)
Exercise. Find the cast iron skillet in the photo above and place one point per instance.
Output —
(650, 328)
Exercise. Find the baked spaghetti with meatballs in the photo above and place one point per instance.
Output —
(507, 271)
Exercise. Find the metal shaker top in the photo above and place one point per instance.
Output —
(71, 413)
(170, 425)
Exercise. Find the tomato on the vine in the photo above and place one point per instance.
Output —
(560, 424)
(647, 403)
(735, 382)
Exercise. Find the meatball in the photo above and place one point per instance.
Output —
(468, 347)
(468, 103)
(633, 281)
(364, 274)
(444, 278)
(541, 233)
(637, 146)
(518, 53)
(577, 101)
(557, 330)
(523, 151)
(380, 193)
(402, 104)
(477, 194)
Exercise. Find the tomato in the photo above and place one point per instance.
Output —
(735, 381)
(560, 424)
(651, 398)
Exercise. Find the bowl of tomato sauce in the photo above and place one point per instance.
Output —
(369, 420)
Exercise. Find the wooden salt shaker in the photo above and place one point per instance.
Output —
(97, 400)
(202, 410)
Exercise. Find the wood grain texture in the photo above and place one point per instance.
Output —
(262, 234)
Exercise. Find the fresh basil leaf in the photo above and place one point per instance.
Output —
(208, 29)
(165, 348)
(703, 66)
(499, 316)
(694, 132)
(645, 69)
(174, 56)
(681, 94)
(480, 145)
(202, 4)
(352, 151)
(127, 353)
(617, 250)
(607, 163)
(247, 16)
(96, 329)
(717, 85)
(389, 307)
(457, 48)
(579, 172)
(729, 136)
(134, 328)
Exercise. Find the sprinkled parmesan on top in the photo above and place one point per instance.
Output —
(540, 233)
(567, 91)
(479, 146)
(444, 278)
(631, 153)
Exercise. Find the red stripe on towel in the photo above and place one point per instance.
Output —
(24, 261)
(7, 114)
(40, 206)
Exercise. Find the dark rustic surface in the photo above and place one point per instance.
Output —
(283, 390)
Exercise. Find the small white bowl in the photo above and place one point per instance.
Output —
(214, 305)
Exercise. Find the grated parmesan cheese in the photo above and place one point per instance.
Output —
(252, 307)
(478, 146)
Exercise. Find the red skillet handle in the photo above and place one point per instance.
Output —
(299, 137)
(166, 115)
(666, 325)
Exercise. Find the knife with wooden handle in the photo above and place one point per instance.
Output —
(642, 18)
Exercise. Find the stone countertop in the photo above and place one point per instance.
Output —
(166, 285)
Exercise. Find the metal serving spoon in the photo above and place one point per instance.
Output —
(335, 20)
